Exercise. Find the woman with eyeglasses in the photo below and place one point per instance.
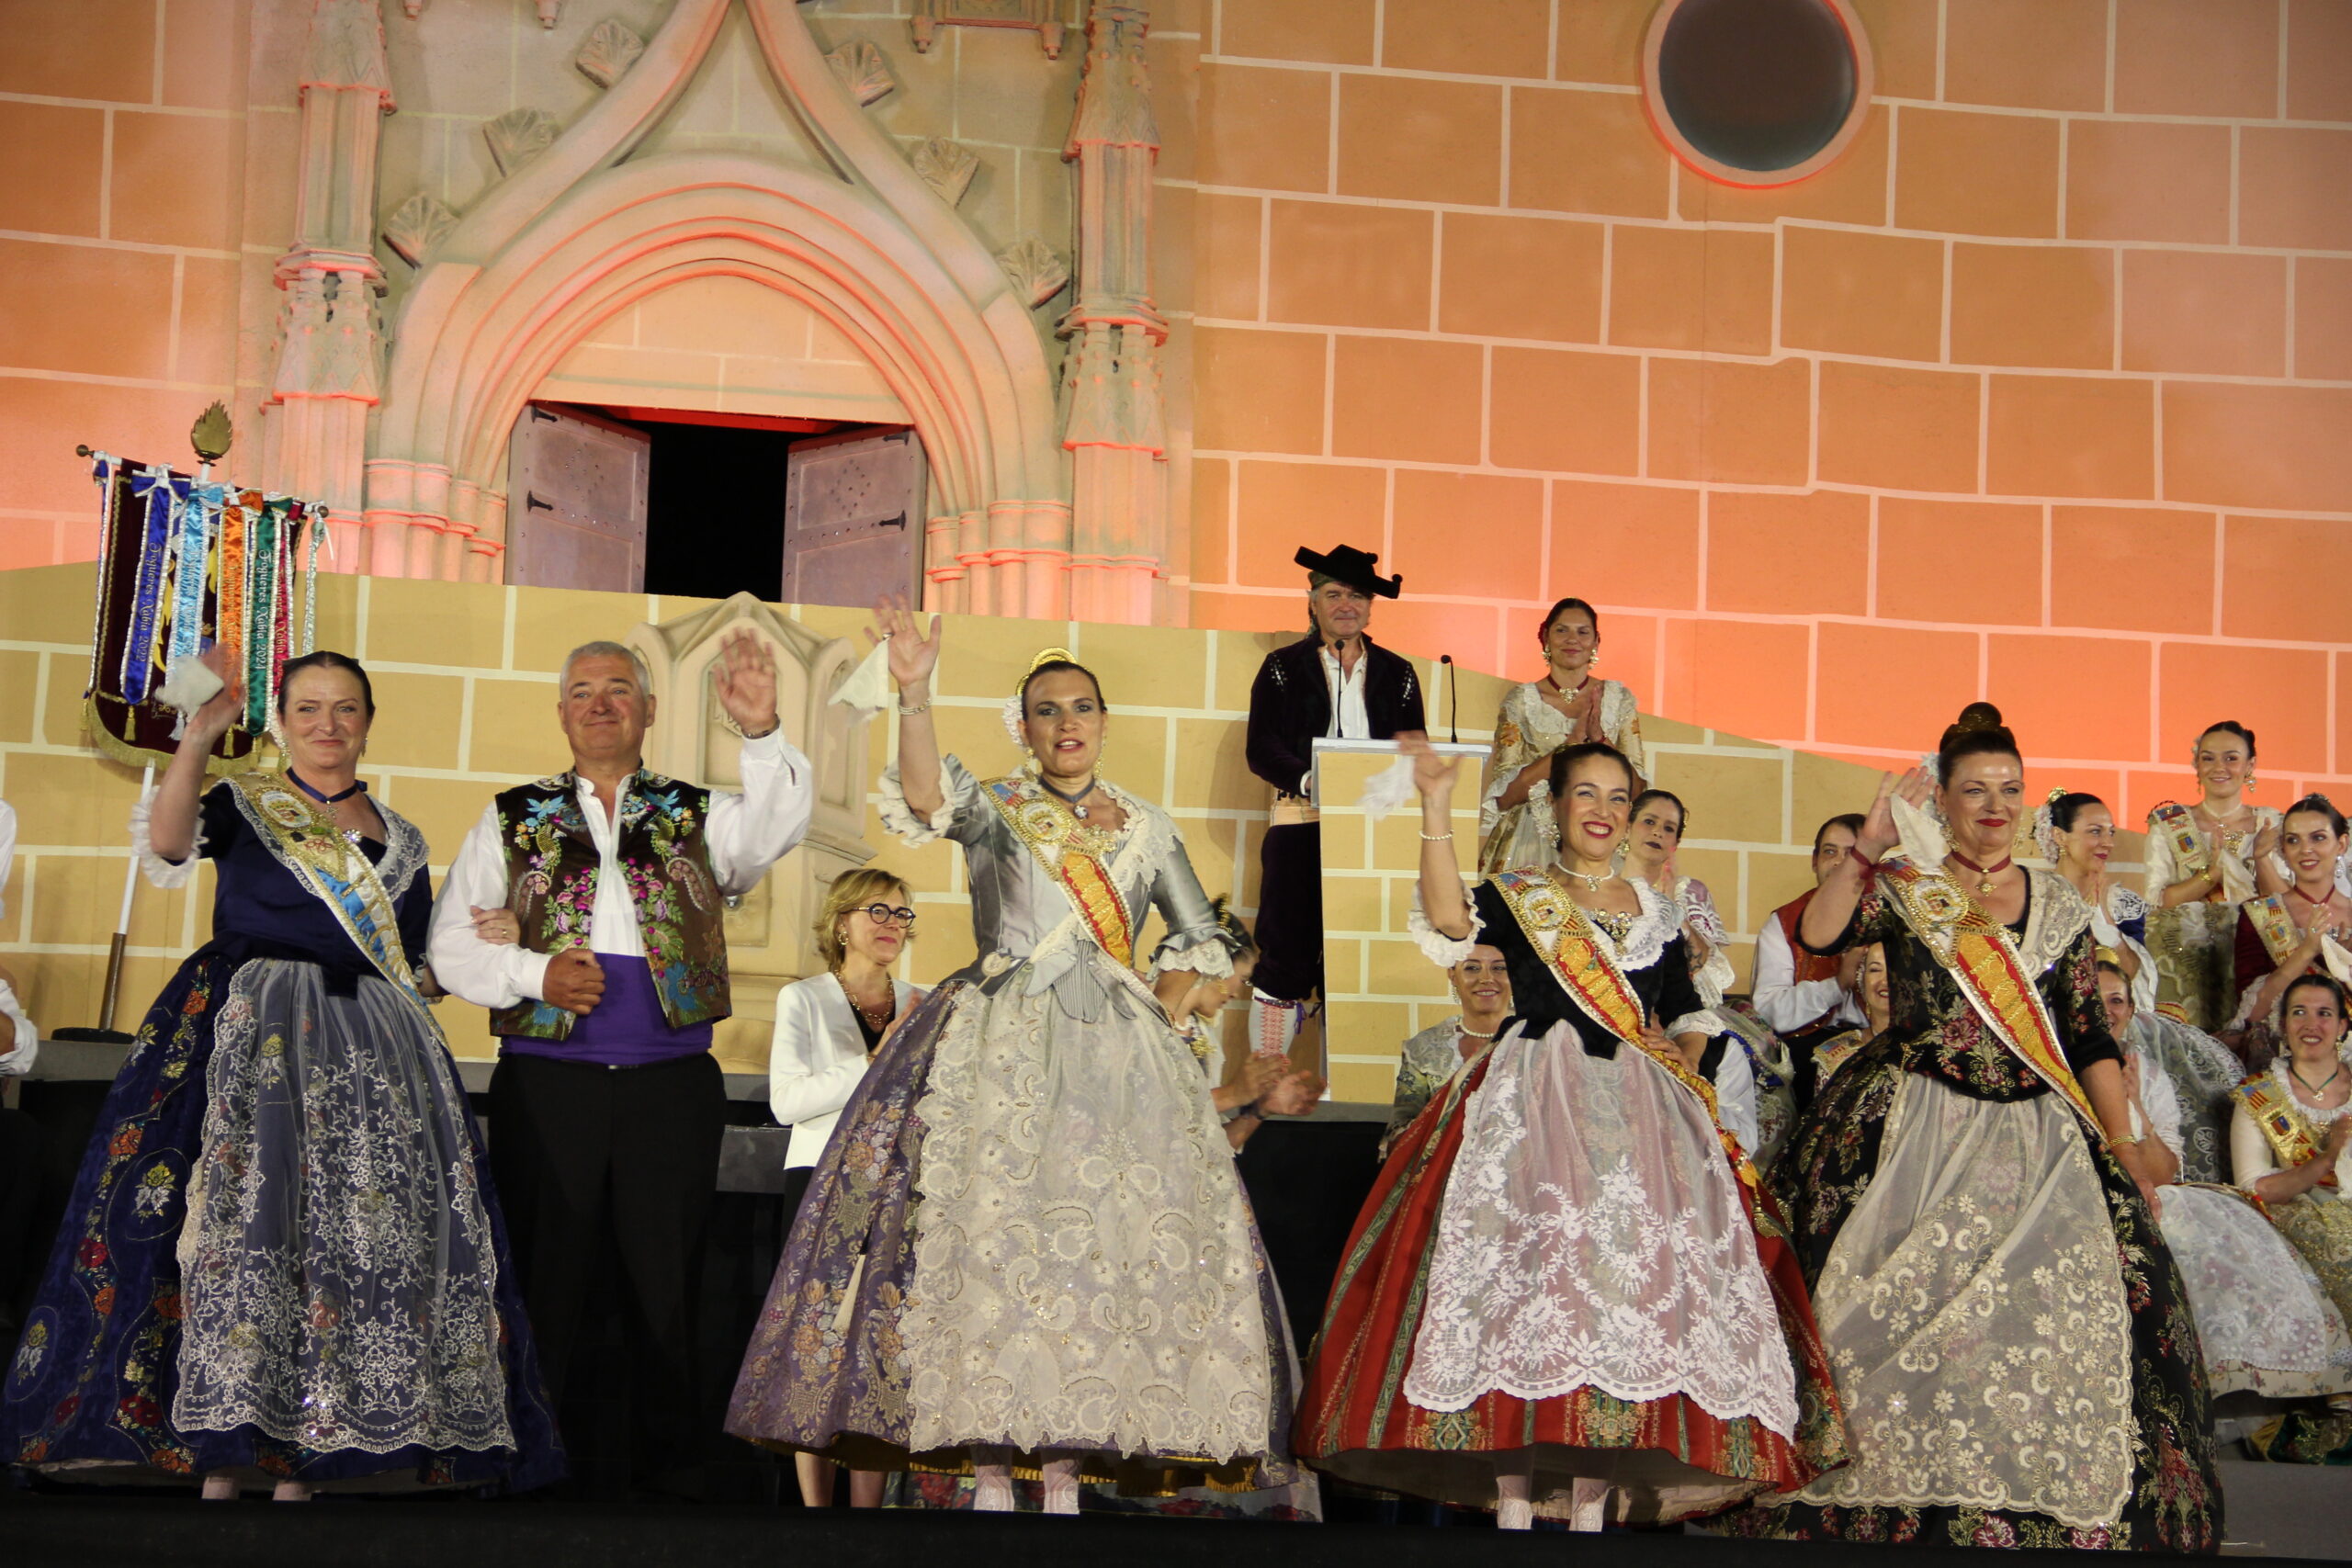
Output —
(827, 1029)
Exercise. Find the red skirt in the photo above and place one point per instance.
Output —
(1676, 1461)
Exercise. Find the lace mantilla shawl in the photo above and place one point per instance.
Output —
(1657, 924)
(406, 851)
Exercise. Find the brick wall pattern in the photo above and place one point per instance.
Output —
(2040, 393)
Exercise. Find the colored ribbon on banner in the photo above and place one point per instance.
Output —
(183, 563)
(153, 488)
(191, 566)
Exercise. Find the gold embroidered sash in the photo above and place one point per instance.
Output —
(1584, 963)
(308, 842)
(2284, 1126)
(1975, 950)
(2274, 925)
(1076, 854)
(2179, 829)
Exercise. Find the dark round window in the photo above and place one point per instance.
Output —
(1757, 91)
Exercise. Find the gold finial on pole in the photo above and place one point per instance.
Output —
(212, 435)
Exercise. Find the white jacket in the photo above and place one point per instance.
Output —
(817, 1058)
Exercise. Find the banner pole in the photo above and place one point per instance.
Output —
(113, 995)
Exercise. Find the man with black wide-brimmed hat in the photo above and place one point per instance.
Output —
(1333, 682)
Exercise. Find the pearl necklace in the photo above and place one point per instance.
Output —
(1594, 884)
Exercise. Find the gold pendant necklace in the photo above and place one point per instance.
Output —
(1984, 874)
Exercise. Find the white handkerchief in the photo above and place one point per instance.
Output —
(188, 685)
(1387, 789)
(1923, 840)
(868, 690)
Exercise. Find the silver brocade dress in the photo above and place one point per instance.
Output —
(1027, 1232)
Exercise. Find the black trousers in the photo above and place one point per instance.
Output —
(1290, 912)
(586, 1154)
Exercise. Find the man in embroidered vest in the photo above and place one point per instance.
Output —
(1805, 997)
(1334, 682)
(585, 911)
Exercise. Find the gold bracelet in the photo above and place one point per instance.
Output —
(2126, 1140)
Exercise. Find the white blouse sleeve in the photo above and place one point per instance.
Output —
(162, 873)
(2250, 1156)
(750, 832)
(1436, 946)
(959, 793)
(2160, 872)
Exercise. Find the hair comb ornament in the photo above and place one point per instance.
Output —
(2045, 825)
(1014, 715)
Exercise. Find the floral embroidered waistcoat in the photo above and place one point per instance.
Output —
(551, 871)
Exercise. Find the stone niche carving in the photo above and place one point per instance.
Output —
(606, 55)
(863, 71)
(947, 166)
(1048, 18)
(520, 135)
(768, 938)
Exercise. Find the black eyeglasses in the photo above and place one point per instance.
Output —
(890, 915)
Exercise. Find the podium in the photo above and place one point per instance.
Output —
(1378, 990)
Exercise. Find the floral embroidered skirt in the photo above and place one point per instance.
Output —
(2194, 947)
(2015, 1349)
(2264, 1323)
(1559, 1272)
(282, 1255)
(2320, 1226)
(1026, 1234)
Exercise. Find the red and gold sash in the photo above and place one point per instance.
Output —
(1075, 852)
(2274, 925)
(1584, 964)
(2178, 828)
(2283, 1123)
(1975, 950)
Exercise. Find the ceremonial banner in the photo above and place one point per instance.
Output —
(183, 563)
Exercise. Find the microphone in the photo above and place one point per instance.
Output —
(1453, 690)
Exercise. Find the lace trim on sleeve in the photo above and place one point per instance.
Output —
(959, 790)
(157, 870)
(1698, 909)
(1704, 1021)
(1436, 946)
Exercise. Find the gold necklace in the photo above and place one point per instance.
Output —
(889, 1004)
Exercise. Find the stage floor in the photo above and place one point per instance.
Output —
(2278, 1511)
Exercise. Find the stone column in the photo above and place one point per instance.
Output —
(1112, 425)
(330, 357)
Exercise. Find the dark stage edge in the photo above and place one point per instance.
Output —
(38, 1531)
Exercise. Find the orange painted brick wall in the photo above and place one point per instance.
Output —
(2043, 392)
(121, 197)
